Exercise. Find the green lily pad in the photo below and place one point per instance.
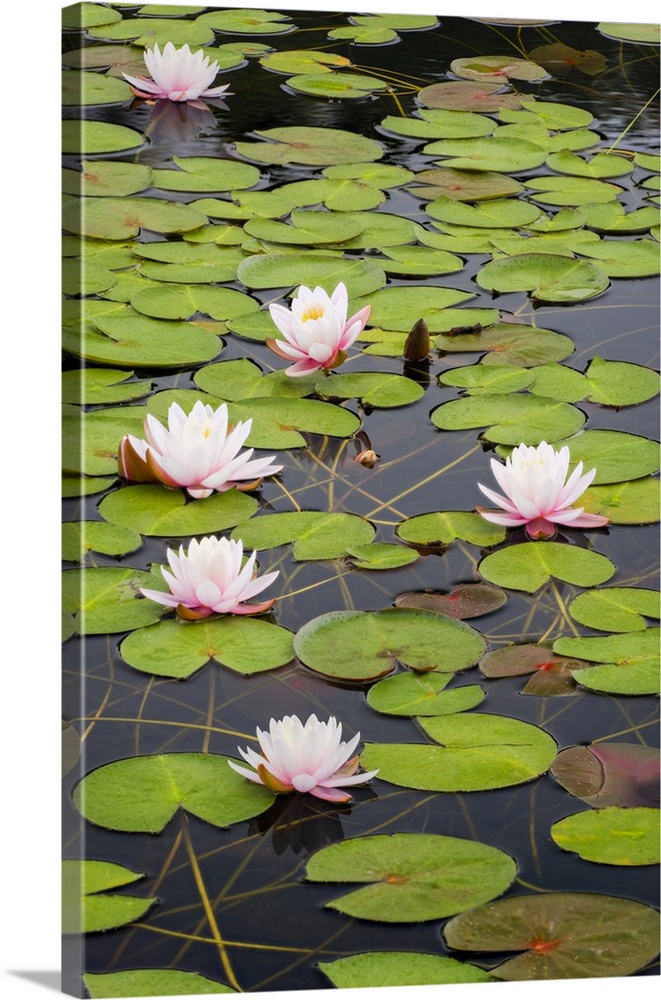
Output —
(154, 510)
(380, 555)
(303, 61)
(153, 982)
(276, 270)
(106, 178)
(379, 175)
(72, 746)
(454, 321)
(310, 146)
(92, 88)
(368, 644)
(564, 243)
(615, 455)
(399, 307)
(510, 420)
(611, 836)
(497, 69)
(377, 389)
(337, 194)
(155, 31)
(625, 259)
(400, 968)
(440, 125)
(86, 136)
(411, 876)
(504, 154)
(422, 694)
(87, 15)
(88, 280)
(123, 218)
(82, 486)
(115, 59)
(560, 59)
(221, 235)
(562, 935)
(243, 379)
(315, 534)
(415, 261)
(467, 600)
(611, 218)
(463, 185)
(645, 34)
(615, 609)
(445, 527)
(628, 663)
(530, 565)
(648, 161)
(564, 219)
(281, 422)
(175, 649)
(181, 301)
(142, 794)
(87, 906)
(634, 502)
(80, 537)
(571, 190)
(547, 277)
(105, 599)
(467, 95)
(551, 114)
(335, 85)
(599, 166)
(510, 344)
(90, 440)
(499, 214)
(477, 752)
(206, 173)
(611, 383)
(489, 378)
(188, 263)
(247, 21)
(309, 228)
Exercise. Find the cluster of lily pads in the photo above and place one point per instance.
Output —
(561, 234)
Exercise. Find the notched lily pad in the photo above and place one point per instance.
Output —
(610, 774)
(632, 502)
(81, 537)
(152, 982)
(310, 146)
(626, 664)
(374, 389)
(611, 836)
(460, 95)
(155, 510)
(530, 565)
(422, 694)
(88, 906)
(315, 534)
(380, 556)
(400, 968)
(440, 528)
(616, 609)
(106, 599)
(509, 344)
(547, 277)
(467, 600)
(513, 419)
(551, 673)
(497, 69)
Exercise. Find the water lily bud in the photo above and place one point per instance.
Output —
(368, 458)
(417, 344)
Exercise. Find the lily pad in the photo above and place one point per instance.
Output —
(467, 600)
(513, 419)
(287, 270)
(645, 34)
(105, 599)
(489, 378)
(87, 906)
(379, 175)
(310, 146)
(500, 154)
(411, 876)
(415, 261)
(309, 228)
(625, 259)
(377, 389)
(547, 277)
(628, 663)
(440, 125)
(82, 486)
(247, 21)
(243, 379)
(188, 262)
(115, 59)
(551, 673)
(281, 422)
(87, 15)
(616, 609)
(142, 794)
(477, 752)
(380, 555)
(422, 694)
(510, 344)
(497, 69)
(615, 455)
(611, 383)
(107, 179)
(634, 502)
(368, 644)
(552, 114)
(610, 217)
(599, 166)
(499, 214)
(336, 85)
(87, 136)
(123, 218)
(303, 61)
(92, 88)
(88, 280)
(611, 836)
(463, 185)
(206, 173)
(175, 649)
(182, 301)
(563, 935)
(610, 774)
(90, 440)
(444, 527)
(530, 565)
(72, 746)
(399, 968)
(154, 510)
(467, 95)
(80, 537)
(399, 307)
(155, 30)
(560, 59)
(153, 982)
(315, 534)
(571, 190)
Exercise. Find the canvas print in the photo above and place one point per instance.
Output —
(361, 500)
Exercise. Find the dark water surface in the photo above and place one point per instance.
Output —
(276, 926)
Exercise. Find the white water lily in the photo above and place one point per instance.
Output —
(308, 757)
(538, 493)
(316, 329)
(209, 579)
(176, 75)
(197, 451)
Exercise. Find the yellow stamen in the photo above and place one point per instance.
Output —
(312, 312)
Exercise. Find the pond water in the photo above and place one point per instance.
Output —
(274, 926)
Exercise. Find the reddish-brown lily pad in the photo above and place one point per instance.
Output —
(560, 59)
(468, 95)
(469, 600)
(610, 774)
(551, 673)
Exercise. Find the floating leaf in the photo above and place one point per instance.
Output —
(440, 125)
(563, 935)
(500, 214)
(504, 154)
(560, 59)
(82, 486)
(551, 114)
(92, 88)
(107, 179)
(380, 175)
(611, 836)
(419, 261)
(463, 185)
(243, 379)
(510, 344)
(548, 277)
(399, 968)
(398, 308)
(206, 173)
(611, 218)
(599, 166)
(87, 15)
(309, 228)
(123, 218)
(529, 566)
(155, 982)
(444, 527)
(477, 752)
(615, 609)
(90, 440)
(336, 85)
(378, 389)
(278, 421)
(247, 21)
(628, 663)
(179, 301)
(615, 455)
(88, 280)
(610, 774)
(422, 694)
(189, 263)
(87, 906)
(489, 378)
(155, 30)
(275, 270)
(634, 502)
(303, 61)
(551, 674)
(571, 190)
(72, 746)
(86, 136)
(498, 69)
(648, 161)
(81, 537)
(105, 599)
(380, 555)
(179, 650)
(516, 419)
(625, 259)
(312, 146)
(645, 34)
(154, 510)
(142, 794)
(116, 59)
(315, 534)
(467, 95)
(467, 600)
(368, 644)
(412, 876)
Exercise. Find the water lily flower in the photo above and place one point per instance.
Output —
(197, 451)
(316, 329)
(308, 757)
(209, 579)
(536, 493)
(177, 75)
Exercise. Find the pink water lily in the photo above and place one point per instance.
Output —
(176, 75)
(210, 579)
(538, 494)
(199, 452)
(308, 757)
(316, 329)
